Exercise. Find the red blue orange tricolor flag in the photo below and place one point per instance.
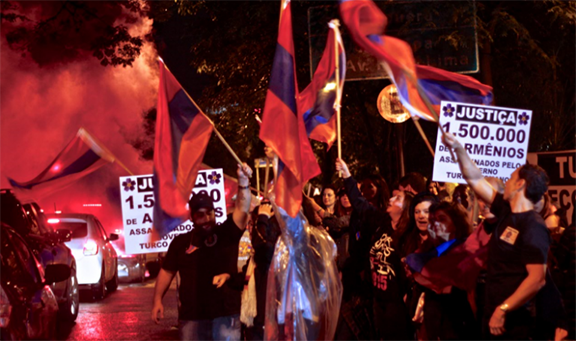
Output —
(182, 135)
(367, 23)
(282, 127)
(319, 100)
(82, 156)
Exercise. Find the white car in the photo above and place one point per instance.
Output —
(96, 259)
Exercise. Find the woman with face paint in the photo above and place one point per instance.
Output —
(448, 316)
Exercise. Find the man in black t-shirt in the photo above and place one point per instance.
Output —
(206, 258)
(518, 248)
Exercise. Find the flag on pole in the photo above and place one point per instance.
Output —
(82, 156)
(367, 23)
(319, 100)
(182, 135)
(282, 126)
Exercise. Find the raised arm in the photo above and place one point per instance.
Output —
(240, 215)
(471, 173)
(358, 202)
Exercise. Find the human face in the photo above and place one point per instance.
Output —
(443, 226)
(396, 204)
(204, 218)
(328, 197)
(511, 185)
(421, 214)
(344, 201)
(368, 189)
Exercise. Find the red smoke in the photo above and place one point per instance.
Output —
(42, 108)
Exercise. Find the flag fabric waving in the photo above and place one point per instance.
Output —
(82, 156)
(367, 23)
(319, 100)
(282, 125)
(182, 135)
(453, 263)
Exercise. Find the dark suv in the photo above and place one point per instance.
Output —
(29, 221)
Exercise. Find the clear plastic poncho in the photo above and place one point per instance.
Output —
(304, 290)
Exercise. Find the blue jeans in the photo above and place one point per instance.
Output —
(221, 328)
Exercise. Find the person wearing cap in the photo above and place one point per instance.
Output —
(206, 258)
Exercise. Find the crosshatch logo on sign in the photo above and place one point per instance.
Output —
(145, 184)
(490, 115)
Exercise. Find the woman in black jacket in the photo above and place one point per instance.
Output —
(376, 255)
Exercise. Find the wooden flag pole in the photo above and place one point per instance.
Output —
(266, 172)
(334, 24)
(419, 127)
(234, 155)
(224, 142)
(430, 108)
(84, 133)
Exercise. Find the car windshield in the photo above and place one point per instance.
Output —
(79, 230)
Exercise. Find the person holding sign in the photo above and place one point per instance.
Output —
(206, 258)
(518, 248)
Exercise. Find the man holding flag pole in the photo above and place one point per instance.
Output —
(206, 258)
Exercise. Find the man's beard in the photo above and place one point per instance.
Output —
(205, 230)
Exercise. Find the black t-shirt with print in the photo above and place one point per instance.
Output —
(517, 240)
(198, 264)
(386, 268)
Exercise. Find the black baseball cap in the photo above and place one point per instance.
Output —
(200, 200)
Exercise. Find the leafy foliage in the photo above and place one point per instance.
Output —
(527, 53)
(58, 32)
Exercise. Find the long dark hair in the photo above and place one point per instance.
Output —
(405, 217)
(410, 241)
(383, 194)
(459, 217)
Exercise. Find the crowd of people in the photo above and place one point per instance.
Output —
(418, 260)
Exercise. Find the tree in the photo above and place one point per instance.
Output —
(233, 43)
(63, 31)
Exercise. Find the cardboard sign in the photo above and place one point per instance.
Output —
(137, 197)
(561, 169)
(495, 138)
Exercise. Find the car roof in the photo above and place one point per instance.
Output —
(78, 216)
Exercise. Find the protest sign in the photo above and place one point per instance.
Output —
(496, 139)
(561, 169)
(137, 197)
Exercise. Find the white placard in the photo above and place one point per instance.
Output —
(496, 139)
(137, 197)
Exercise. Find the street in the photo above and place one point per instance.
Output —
(123, 315)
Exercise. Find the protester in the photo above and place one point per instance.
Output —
(518, 248)
(418, 236)
(381, 259)
(566, 257)
(328, 201)
(264, 235)
(205, 259)
(448, 316)
(338, 226)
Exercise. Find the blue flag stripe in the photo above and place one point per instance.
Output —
(182, 113)
(282, 82)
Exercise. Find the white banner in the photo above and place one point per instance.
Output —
(137, 196)
(496, 139)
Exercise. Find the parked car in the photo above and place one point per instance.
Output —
(132, 268)
(28, 307)
(48, 246)
(96, 259)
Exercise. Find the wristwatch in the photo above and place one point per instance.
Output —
(504, 307)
